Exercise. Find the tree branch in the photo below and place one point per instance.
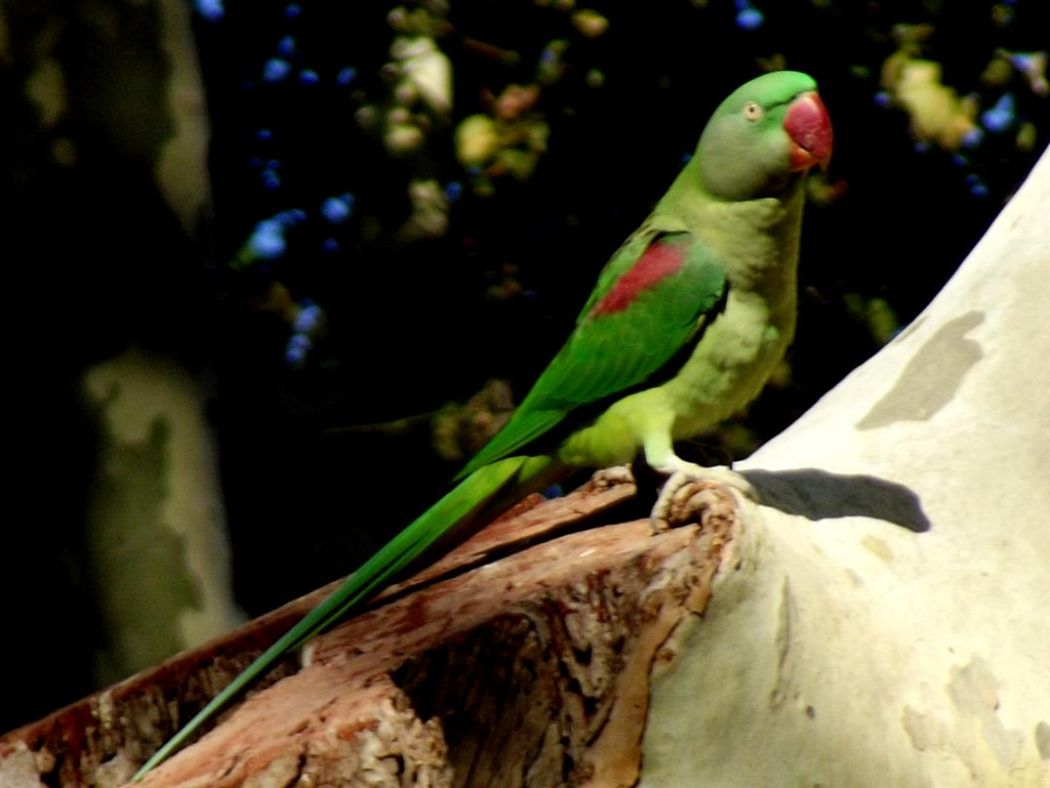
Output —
(535, 664)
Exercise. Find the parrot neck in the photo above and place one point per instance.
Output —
(757, 240)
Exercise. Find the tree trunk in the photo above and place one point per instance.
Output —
(887, 620)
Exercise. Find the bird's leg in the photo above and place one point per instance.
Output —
(682, 474)
(610, 477)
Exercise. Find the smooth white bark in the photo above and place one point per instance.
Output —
(889, 620)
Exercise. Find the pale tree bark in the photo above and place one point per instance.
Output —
(879, 620)
(120, 118)
(156, 531)
(156, 534)
(887, 620)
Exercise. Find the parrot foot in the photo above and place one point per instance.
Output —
(691, 488)
(610, 477)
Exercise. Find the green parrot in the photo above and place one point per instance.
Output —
(686, 324)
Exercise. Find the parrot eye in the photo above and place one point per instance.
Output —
(753, 112)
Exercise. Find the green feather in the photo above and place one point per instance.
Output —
(611, 353)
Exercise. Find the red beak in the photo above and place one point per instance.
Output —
(809, 126)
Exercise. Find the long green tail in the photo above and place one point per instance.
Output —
(478, 494)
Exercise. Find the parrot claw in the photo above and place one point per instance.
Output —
(610, 477)
(691, 488)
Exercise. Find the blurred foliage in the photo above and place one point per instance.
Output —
(411, 200)
(496, 153)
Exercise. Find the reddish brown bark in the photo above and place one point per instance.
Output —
(529, 669)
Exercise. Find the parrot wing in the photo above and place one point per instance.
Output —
(651, 300)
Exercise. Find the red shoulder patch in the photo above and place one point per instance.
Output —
(660, 261)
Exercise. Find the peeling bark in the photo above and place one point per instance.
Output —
(531, 669)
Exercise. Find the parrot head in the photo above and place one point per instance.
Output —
(766, 133)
